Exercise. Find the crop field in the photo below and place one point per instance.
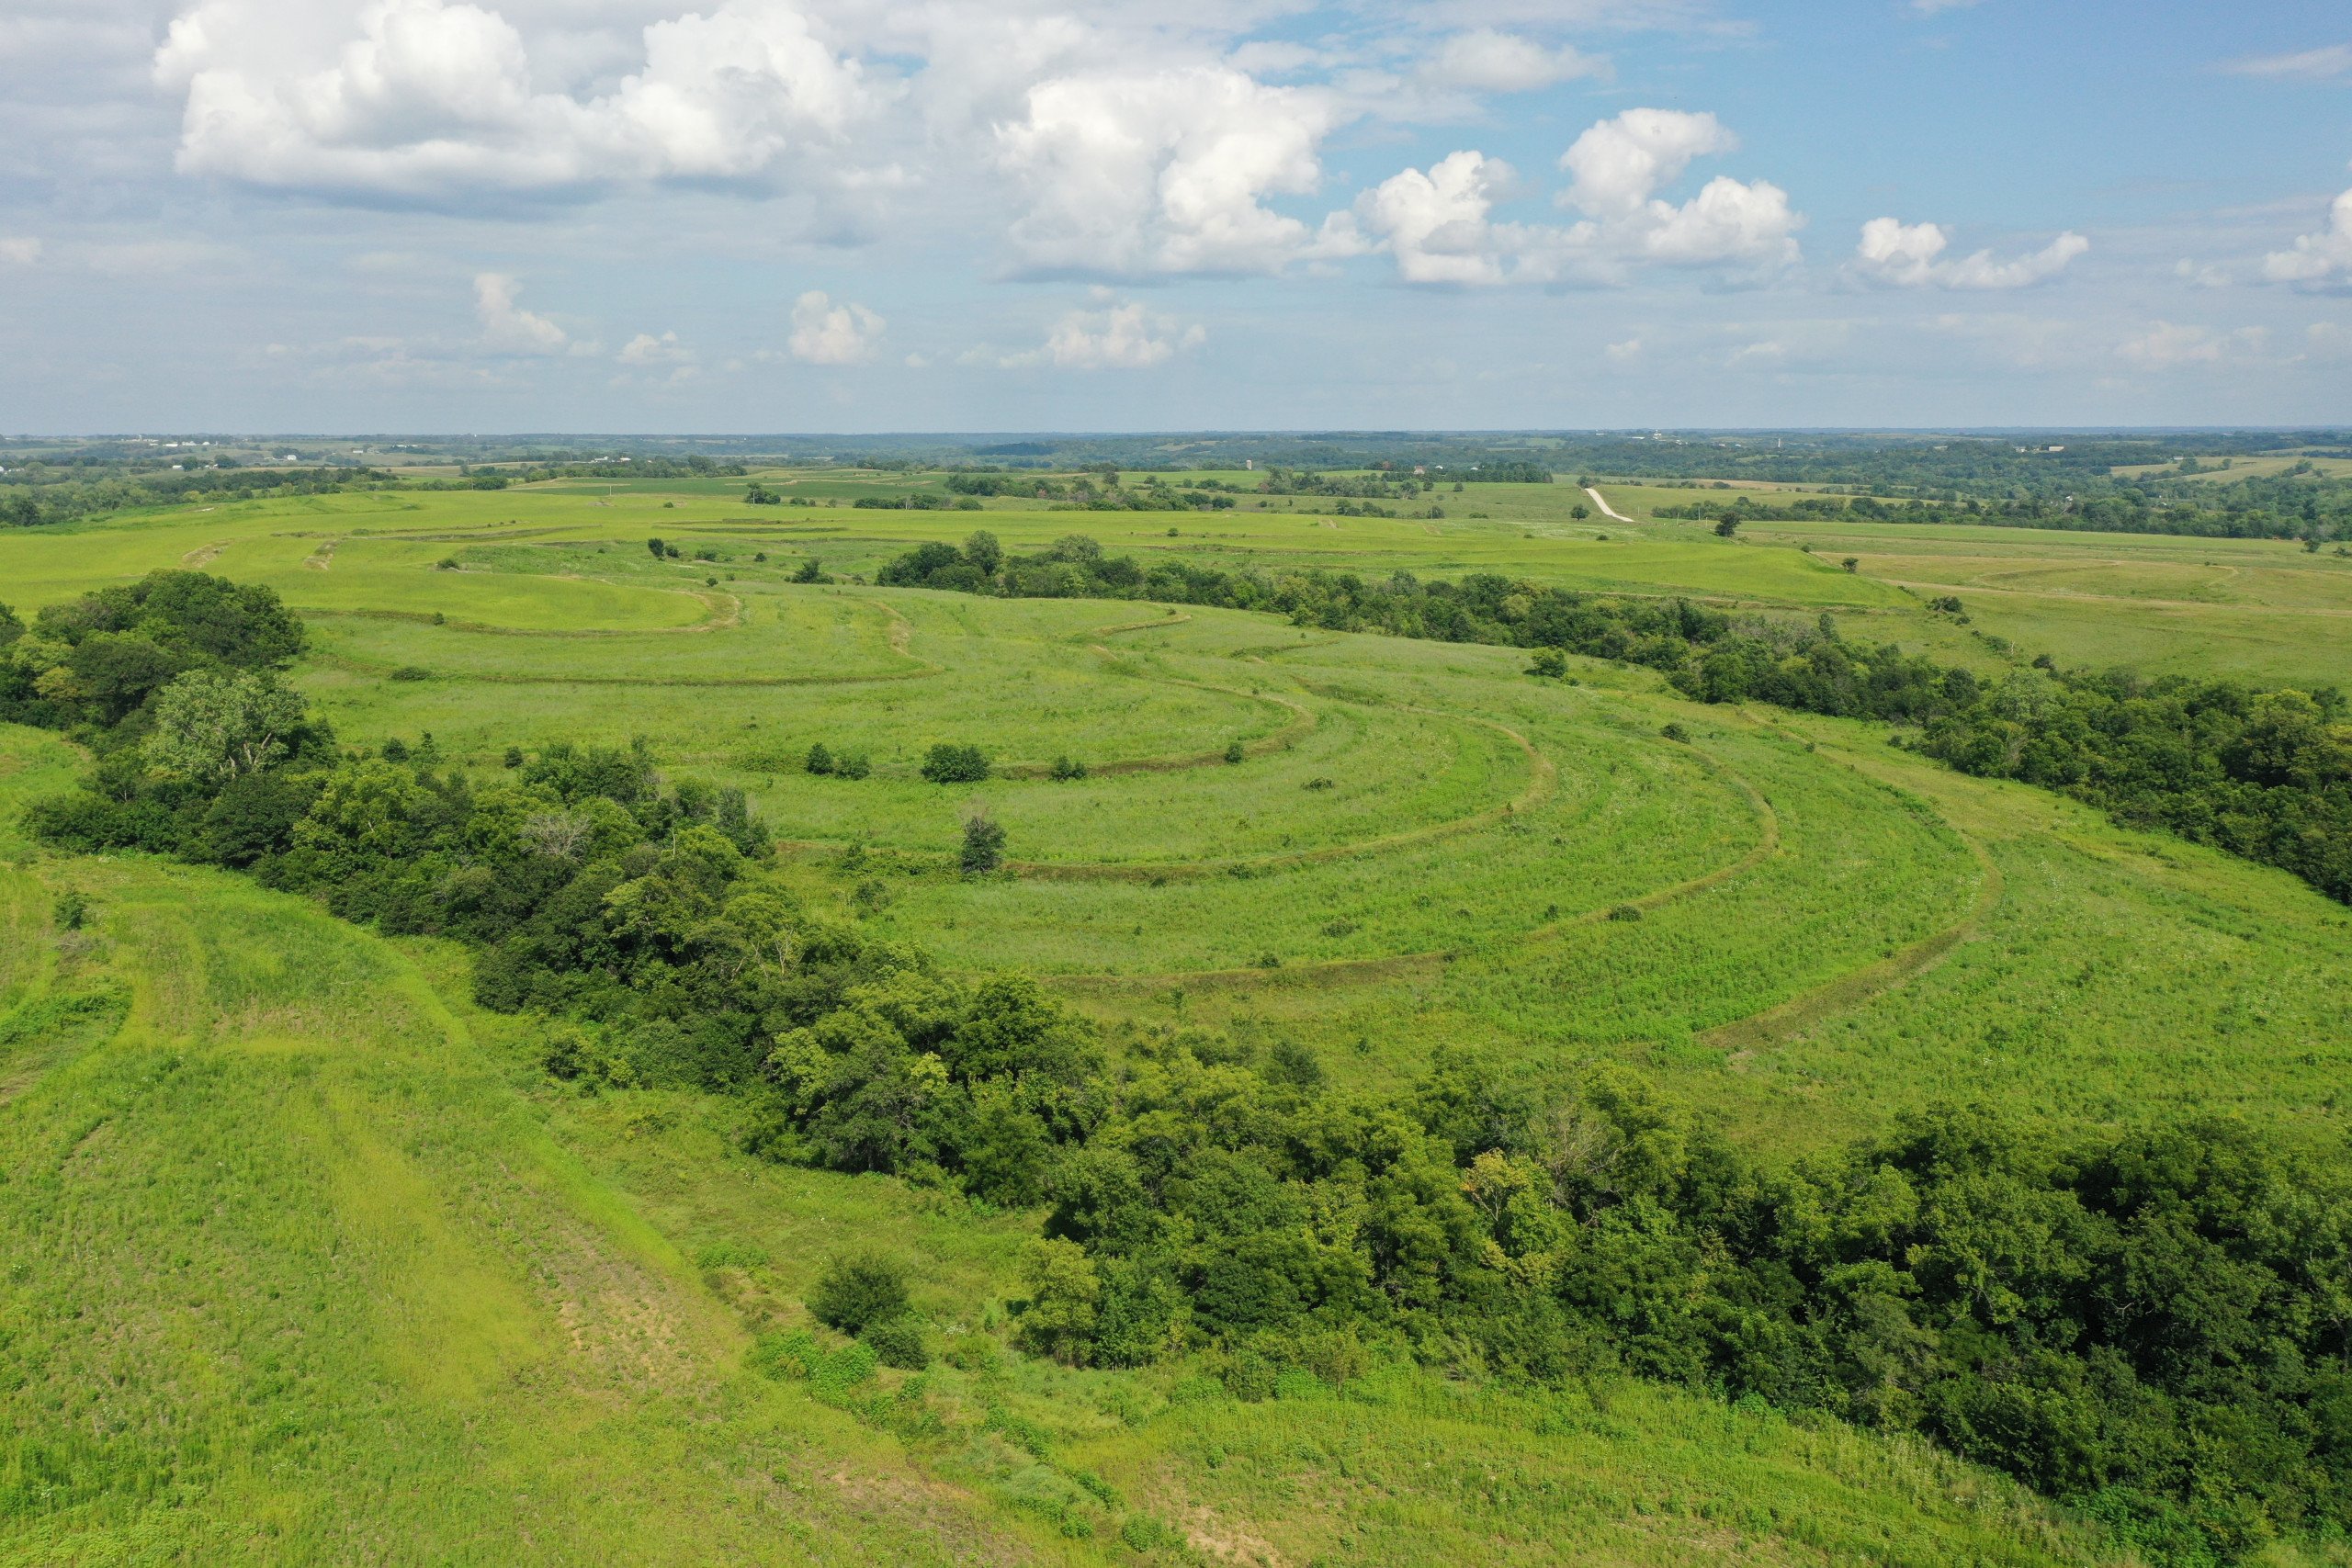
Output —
(303, 1257)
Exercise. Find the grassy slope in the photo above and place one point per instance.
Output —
(335, 1247)
(306, 1267)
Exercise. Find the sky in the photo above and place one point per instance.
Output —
(748, 215)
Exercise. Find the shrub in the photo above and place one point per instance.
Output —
(857, 1291)
(897, 1342)
(1676, 732)
(983, 844)
(1549, 664)
(72, 911)
(851, 765)
(1065, 769)
(412, 672)
(1624, 912)
(949, 763)
(1234, 753)
(821, 760)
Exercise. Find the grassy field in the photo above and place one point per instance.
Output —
(306, 1261)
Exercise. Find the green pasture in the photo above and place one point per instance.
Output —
(304, 1259)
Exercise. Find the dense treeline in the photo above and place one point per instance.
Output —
(2250, 510)
(2156, 1324)
(2266, 774)
(40, 492)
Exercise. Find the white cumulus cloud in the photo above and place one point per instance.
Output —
(826, 334)
(1119, 337)
(1911, 255)
(645, 349)
(1619, 166)
(506, 327)
(1434, 223)
(1439, 226)
(20, 252)
(2318, 260)
(435, 98)
(1164, 171)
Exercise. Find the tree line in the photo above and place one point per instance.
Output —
(2153, 1323)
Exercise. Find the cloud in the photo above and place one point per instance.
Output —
(2320, 260)
(435, 98)
(826, 334)
(1625, 353)
(1938, 8)
(506, 327)
(20, 252)
(1131, 173)
(1486, 60)
(1120, 337)
(1910, 256)
(645, 349)
(1618, 166)
(2167, 347)
(1439, 226)
(2310, 65)
(1435, 224)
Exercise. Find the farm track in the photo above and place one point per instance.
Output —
(203, 556)
(1775, 1025)
(1338, 972)
(321, 558)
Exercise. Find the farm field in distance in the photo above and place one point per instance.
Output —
(300, 1236)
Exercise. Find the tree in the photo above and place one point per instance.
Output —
(857, 1291)
(983, 844)
(658, 548)
(811, 570)
(950, 763)
(1058, 1317)
(983, 551)
(1580, 511)
(215, 728)
(1548, 662)
(1852, 563)
(821, 759)
(1726, 525)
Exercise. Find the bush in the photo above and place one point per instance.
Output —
(859, 1290)
(412, 672)
(851, 765)
(948, 764)
(983, 844)
(821, 760)
(1234, 753)
(1548, 662)
(1065, 769)
(897, 1342)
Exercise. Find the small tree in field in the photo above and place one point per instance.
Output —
(1726, 525)
(1852, 563)
(983, 844)
(1549, 664)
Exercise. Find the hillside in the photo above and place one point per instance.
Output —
(302, 1236)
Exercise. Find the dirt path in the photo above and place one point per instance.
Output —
(1606, 509)
(1743, 1037)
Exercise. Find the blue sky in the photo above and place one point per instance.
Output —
(844, 215)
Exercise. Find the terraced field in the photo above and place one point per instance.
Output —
(355, 1249)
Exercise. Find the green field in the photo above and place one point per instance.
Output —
(307, 1260)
